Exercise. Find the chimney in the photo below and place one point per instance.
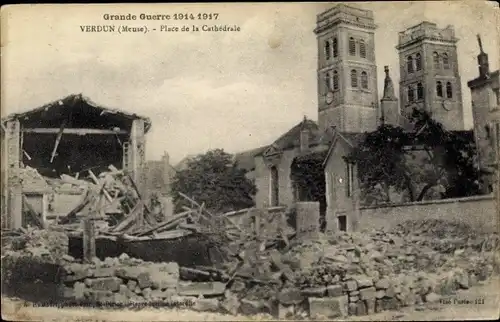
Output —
(482, 60)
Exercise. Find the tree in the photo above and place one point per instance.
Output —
(216, 180)
(416, 163)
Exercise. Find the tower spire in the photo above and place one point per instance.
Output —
(388, 86)
(480, 43)
(482, 59)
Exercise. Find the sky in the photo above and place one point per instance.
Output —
(230, 90)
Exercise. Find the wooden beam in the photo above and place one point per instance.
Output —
(74, 131)
(58, 140)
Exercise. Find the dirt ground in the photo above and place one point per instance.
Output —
(487, 296)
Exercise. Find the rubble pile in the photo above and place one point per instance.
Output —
(48, 244)
(120, 280)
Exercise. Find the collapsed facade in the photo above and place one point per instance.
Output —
(72, 136)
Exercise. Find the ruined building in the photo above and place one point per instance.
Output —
(72, 136)
(486, 112)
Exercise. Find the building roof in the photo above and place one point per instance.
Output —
(291, 139)
(78, 104)
(245, 159)
(351, 139)
(482, 80)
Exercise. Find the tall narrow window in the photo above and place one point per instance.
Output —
(435, 59)
(439, 89)
(411, 94)
(335, 80)
(446, 61)
(362, 48)
(409, 64)
(418, 61)
(420, 91)
(364, 80)
(354, 78)
(349, 179)
(335, 47)
(352, 47)
(449, 90)
(327, 49)
(274, 187)
(327, 82)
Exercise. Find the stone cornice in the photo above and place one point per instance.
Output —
(329, 24)
(454, 40)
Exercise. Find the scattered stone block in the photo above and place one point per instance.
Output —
(131, 284)
(230, 303)
(352, 309)
(367, 293)
(202, 288)
(351, 285)
(144, 280)
(100, 296)
(79, 289)
(380, 294)
(363, 281)
(289, 296)
(285, 311)
(128, 272)
(360, 308)
(105, 284)
(206, 305)
(432, 297)
(329, 307)
(463, 281)
(238, 286)
(314, 291)
(370, 306)
(103, 272)
(252, 307)
(353, 299)
(334, 290)
(382, 284)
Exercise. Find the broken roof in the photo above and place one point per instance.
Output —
(78, 103)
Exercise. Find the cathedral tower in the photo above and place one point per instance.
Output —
(429, 75)
(347, 71)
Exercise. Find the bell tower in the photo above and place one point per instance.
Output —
(429, 74)
(347, 71)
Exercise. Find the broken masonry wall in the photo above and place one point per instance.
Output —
(187, 251)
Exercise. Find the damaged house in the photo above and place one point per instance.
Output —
(71, 139)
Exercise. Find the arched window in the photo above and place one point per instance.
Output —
(328, 85)
(418, 62)
(411, 94)
(435, 59)
(364, 80)
(327, 49)
(362, 48)
(352, 47)
(335, 47)
(446, 61)
(439, 89)
(409, 64)
(449, 90)
(335, 80)
(420, 91)
(354, 78)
